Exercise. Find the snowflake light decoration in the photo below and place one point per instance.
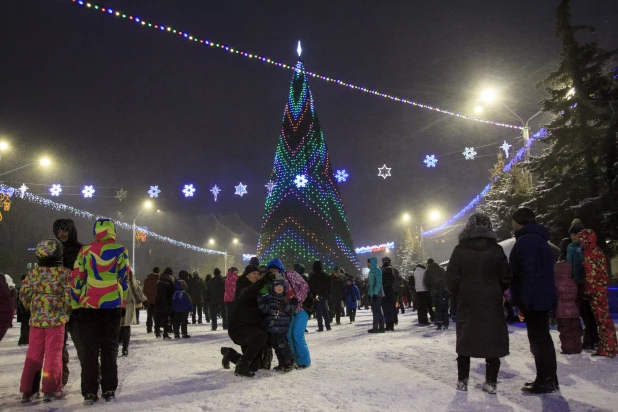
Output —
(215, 191)
(55, 190)
(88, 191)
(505, 146)
(469, 153)
(270, 186)
(384, 171)
(341, 176)
(23, 189)
(121, 194)
(154, 191)
(301, 181)
(241, 189)
(431, 160)
(188, 190)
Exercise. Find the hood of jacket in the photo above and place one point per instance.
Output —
(68, 225)
(166, 277)
(373, 263)
(278, 264)
(477, 232)
(49, 253)
(180, 285)
(534, 229)
(587, 238)
(104, 230)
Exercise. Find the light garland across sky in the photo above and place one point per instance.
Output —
(267, 60)
(122, 225)
(477, 199)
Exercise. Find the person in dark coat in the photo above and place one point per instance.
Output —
(478, 273)
(150, 290)
(246, 327)
(351, 295)
(533, 290)
(319, 286)
(216, 293)
(182, 305)
(388, 300)
(205, 297)
(66, 232)
(196, 286)
(441, 297)
(163, 302)
(6, 306)
(23, 316)
(300, 269)
(337, 283)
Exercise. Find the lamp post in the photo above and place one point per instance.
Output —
(43, 161)
(234, 242)
(147, 205)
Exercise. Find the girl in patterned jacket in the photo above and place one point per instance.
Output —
(46, 294)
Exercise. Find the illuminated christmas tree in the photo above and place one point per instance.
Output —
(304, 218)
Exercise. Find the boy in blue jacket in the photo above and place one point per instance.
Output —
(351, 296)
(278, 317)
(182, 306)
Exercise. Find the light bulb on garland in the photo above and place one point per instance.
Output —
(430, 160)
(188, 190)
(88, 191)
(55, 190)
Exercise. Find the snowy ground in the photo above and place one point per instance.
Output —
(412, 369)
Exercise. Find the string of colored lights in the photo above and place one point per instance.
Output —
(122, 225)
(268, 60)
(507, 168)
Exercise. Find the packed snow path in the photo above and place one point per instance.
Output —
(411, 369)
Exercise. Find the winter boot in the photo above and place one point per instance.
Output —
(242, 369)
(372, 331)
(125, 352)
(462, 385)
(90, 399)
(109, 396)
(226, 358)
(186, 336)
(50, 396)
(439, 327)
(27, 397)
(490, 388)
(176, 336)
(540, 386)
(492, 367)
(288, 367)
(300, 367)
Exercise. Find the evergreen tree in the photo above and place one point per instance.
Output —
(303, 223)
(409, 251)
(509, 191)
(577, 172)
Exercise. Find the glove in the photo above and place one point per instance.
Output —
(268, 277)
(294, 301)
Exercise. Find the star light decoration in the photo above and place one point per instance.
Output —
(188, 190)
(384, 171)
(88, 191)
(341, 176)
(270, 186)
(505, 146)
(215, 191)
(241, 189)
(55, 190)
(431, 160)
(23, 189)
(154, 191)
(469, 153)
(121, 194)
(301, 181)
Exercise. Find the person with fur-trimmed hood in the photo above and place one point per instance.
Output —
(478, 273)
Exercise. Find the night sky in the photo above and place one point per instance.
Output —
(118, 105)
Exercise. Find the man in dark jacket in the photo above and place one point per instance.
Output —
(533, 290)
(337, 284)
(246, 327)
(196, 285)
(388, 301)
(163, 302)
(66, 232)
(216, 293)
(150, 291)
(319, 287)
(206, 301)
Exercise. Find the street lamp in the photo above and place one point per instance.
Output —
(4, 146)
(43, 161)
(405, 217)
(234, 242)
(147, 205)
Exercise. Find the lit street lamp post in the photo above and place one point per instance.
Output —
(234, 242)
(147, 205)
(44, 161)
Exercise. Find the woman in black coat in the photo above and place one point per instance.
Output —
(163, 302)
(478, 273)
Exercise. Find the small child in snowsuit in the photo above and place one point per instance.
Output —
(441, 297)
(567, 310)
(351, 296)
(182, 306)
(278, 316)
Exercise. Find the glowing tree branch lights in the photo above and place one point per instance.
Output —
(304, 219)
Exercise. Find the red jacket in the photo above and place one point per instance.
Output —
(595, 263)
(150, 287)
(567, 292)
(230, 287)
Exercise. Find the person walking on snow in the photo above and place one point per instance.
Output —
(422, 295)
(376, 292)
(150, 290)
(182, 306)
(46, 293)
(351, 296)
(389, 276)
(216, 295)
(196, 286)
(163, 302)
(319, 285)
(134, 296)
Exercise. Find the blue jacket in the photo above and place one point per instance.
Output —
(375, 278)
(181, 301)
(278, 312)
(532, 262)
(351, 295)
(575, 257)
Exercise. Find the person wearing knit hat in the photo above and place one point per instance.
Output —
(389, 280)
(215, 295)
(163, 302)
(533, 290)
(196, 286)
(46, 294)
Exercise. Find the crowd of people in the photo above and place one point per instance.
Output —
(88, 292)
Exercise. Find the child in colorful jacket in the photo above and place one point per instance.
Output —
(45, 292)
(182, 306)
(278, 316)
(567, 310)
(597, 279)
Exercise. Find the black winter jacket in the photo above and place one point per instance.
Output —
(246, 311)
(165, 291)
(215, 290)
(319, 282)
